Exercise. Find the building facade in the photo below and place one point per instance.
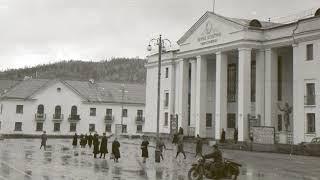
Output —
(65, 107)
(228, 72)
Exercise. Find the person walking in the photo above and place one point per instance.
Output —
(75, 140)
(44, 140)
(161, 146)
(198, 146)
(144, 149)
(95, 145)
(180, 144)
(104, 146)
(115, 149)
(223, 136)
(90, 138)
(235, 135)
(85, 140)
(82, 141)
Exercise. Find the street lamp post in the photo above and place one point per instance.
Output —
(161, 46)
(122, 90)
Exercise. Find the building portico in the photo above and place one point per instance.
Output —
(229, 71)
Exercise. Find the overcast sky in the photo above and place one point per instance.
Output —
(42, 31)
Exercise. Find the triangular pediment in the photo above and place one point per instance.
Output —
(210, 28)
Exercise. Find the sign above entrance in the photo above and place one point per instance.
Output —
(209, 35)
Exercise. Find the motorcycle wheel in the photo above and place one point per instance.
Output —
(194, 174)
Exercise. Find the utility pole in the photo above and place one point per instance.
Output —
(122, 89)
(213, 5)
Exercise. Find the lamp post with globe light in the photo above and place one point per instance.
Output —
(161, 47)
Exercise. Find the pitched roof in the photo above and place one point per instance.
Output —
(241, 22)
(5, 85)
(99, 92)
(25, 88)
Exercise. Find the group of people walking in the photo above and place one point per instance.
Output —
(98, 146)
(223, 136)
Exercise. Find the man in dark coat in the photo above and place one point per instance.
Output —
(235, 135)
(44, 140)
(115, 149)
(144, 149)
(82, 141)
(95, 144)
(198, 146)
(85, 140)
(104, 146)
(223, 136)
(180, 144)
(75, 140)
(90, 138)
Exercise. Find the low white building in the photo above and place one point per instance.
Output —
(65, 107)
(228, 70)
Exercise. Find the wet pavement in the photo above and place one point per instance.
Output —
(21, 159)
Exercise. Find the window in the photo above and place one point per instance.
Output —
(92, 127)
(19, 109)
(279, 122)
(311, 123)
(58, 89)
(166, 101)
(166, 119)
(310, 98)
(74, 110)
(279, 78)
(232, 83)
(108, 127)
(0, 125)
(56, 127)
(208, 120)
(73, 127)
(309, 52)
(18, 126)
(124, 128)
(253, 81)
(125, 113)
(40, 109)
(57, 112)
(140, 113)
(109, 112)
(39, 126)
(167, 72)
(231, 120)
(1, 107)
(92, 111)
(139, 128)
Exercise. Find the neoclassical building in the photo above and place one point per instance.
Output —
(228, 72)
(62, 107)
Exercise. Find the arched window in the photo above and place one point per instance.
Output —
(255, 23)
(40, 109)
(74, 110)
(317, 12)
(57, 110)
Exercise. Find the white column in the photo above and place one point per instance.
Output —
(221, 93)
(270, 86)
(299, 119)
(244, 92)
(193, 92)
(201, 96)
(260, 60)
(182, 93)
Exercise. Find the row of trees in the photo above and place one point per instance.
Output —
(114, 69)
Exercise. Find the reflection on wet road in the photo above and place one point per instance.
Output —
(21, 159)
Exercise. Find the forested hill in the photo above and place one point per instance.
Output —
(115, 69)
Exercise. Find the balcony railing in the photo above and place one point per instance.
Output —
(310, 100)
(74, 117)
(108, 118)
(139, 119)
(40, 117)
(57, 117)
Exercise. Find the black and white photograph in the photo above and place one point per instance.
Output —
(159, 89)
